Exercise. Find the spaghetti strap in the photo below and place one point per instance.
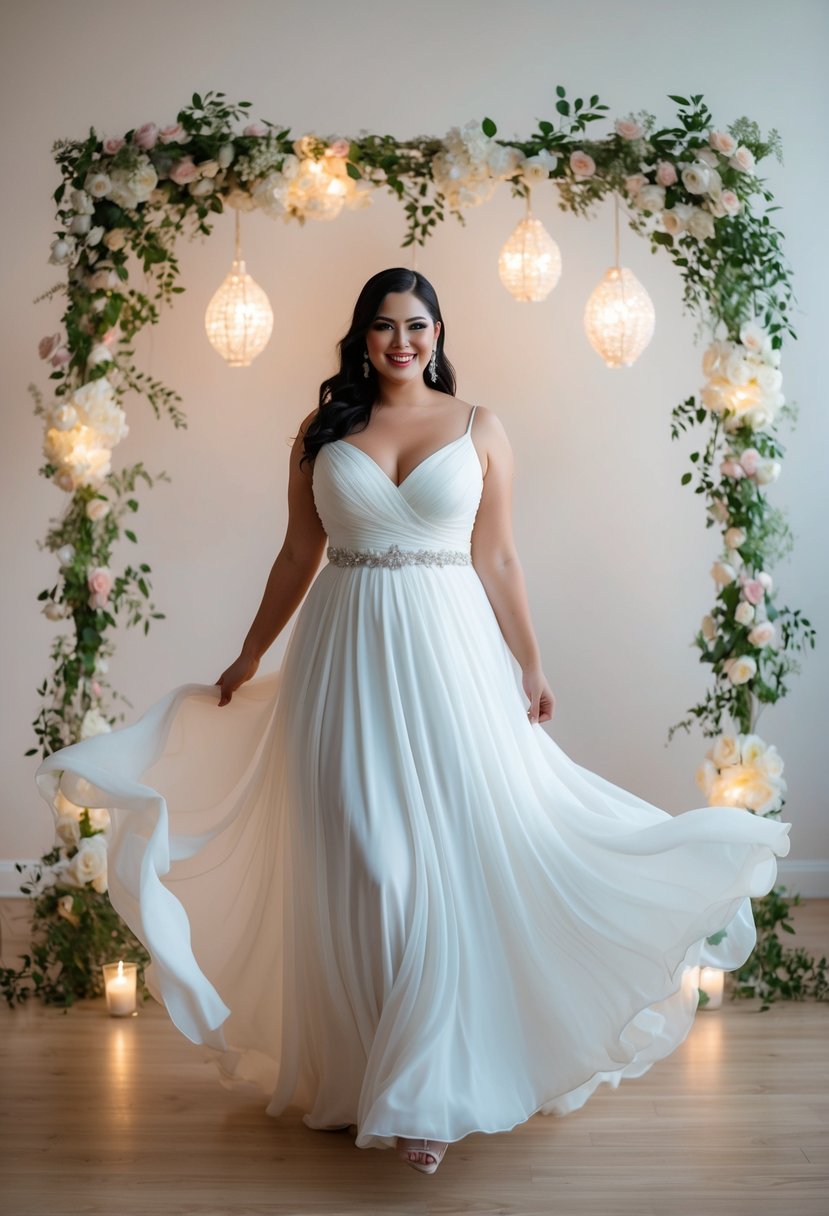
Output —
(469, 423)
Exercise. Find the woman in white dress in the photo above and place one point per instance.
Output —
(422, 917)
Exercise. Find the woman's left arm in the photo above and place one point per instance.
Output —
(497, 564)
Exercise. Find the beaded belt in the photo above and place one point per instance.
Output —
(394, 557)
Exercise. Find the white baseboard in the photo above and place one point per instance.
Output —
(809, 879)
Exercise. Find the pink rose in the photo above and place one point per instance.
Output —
(732, 468)
(99, 581)
(61, 356)
(754, 591)
(582, 164)
(184, 171)
(110, 335)
(111, 146)
(730, 202)
(750, 460)
(665, 173)
(47, 346)
(635, 182)
(174, 134)
(255, 128)
(762, 634)
(721, 141)
(146, 136)
(96, 688)
(339, 147)
(628, 129)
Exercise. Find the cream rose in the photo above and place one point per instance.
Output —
(69, 831)
(721, 141)
(89, 865)
(94, 723)
(709, 628)
(723, 573)
(582, 164)
(734, 537)
(725, 751)
(744, 613)
(97, 508)
(763, 634)
(743, 669)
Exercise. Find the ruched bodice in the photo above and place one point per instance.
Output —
(433, 507)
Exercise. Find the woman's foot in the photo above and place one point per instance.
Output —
(421, 1154)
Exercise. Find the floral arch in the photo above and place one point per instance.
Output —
(691, 189)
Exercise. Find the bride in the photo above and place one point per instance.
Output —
(388, 896)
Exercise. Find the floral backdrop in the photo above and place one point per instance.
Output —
(691, 188)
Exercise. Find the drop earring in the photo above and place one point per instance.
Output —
(432, 368)
(365, 365)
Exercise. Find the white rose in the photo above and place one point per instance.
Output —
(719, 510)
(82, 204)
(101, 665)
(758, 793)
(701, 224)
(725, 751)
(770, 762)
(98, 185)
(765, 579)
(767, 472)
(95, 235)
(744, 612)
(709, 628)
(753, 337)
(722, 573)
(62, 250)
(97, 508)
(80, 225)
(225, 155)
(695, 178)
(90, 862)
(99, 818)
(94, 723)
(63, 417)
(736, 369)
(650, 198)
(65, 554)
(69, 831)
(743, 669)
(752, 748)
(53, 611)
(201, 187)
(100, 353)
(705, 777)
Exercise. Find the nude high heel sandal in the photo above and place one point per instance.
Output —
(426, 1148)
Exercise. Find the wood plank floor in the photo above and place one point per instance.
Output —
(105, 1115)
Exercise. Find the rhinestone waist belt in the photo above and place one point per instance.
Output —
(394, 557)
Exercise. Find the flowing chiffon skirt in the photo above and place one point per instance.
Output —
(373, 889)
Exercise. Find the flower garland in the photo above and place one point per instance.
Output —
(688, 188)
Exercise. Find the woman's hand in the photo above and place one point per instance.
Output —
(539, 694)
(243, 669)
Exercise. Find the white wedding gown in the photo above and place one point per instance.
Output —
(372, 887)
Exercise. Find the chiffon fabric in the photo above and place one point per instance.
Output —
(372, 888)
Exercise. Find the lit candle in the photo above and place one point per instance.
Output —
(120, 980)
(711, 982)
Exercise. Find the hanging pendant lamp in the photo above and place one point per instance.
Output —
(239, 318)
(619, 316)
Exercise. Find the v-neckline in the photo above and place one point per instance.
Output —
(411, 472)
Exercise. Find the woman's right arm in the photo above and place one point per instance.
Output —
(291, 574)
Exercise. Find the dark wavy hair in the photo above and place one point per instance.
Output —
(346, 398)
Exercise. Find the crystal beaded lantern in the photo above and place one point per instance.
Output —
(529, 264)
(239, 318)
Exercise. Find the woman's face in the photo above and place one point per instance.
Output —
(403, 327)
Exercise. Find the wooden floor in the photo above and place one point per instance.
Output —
(121, 1116)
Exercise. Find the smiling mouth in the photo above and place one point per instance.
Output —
(400, 362)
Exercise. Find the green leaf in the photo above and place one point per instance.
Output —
(129, 535)
(197, 102)
(682, 100)
(488, 127)
(686, 477)
(563, 107)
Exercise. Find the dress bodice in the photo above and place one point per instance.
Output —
(433, 507)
